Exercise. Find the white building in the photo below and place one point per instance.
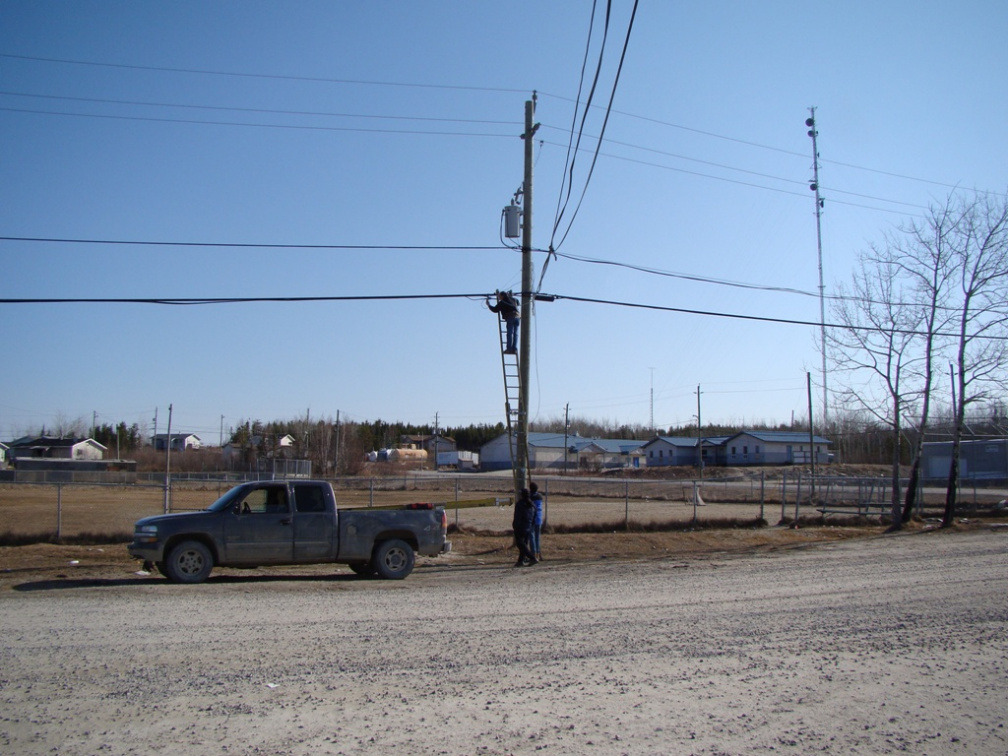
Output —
(775, 448)
(555, 450)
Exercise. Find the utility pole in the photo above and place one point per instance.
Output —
(521, 478)
(566, 433)
(167, 475)
(652, 399)
(222, 431)
(811, 437)
(699, 438)
(153, 440)
(814, 186)
(336, 457)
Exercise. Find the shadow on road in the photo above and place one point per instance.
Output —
(55, 584)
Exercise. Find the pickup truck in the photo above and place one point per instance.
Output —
(292, 522)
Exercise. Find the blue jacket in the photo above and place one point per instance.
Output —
(537, 502)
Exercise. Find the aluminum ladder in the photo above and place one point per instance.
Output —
(512, 391)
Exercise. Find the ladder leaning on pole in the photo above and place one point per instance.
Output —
(512, 390)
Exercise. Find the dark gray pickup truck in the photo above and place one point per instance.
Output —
(293, 522)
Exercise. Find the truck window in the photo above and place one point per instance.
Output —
(265, 501)
(309, 498)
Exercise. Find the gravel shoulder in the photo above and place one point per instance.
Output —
(861, 643)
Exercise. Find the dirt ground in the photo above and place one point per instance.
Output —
(45, 562)
(714, 643)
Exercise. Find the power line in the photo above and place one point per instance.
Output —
(239, 245)
(295, 127)
(279, 77)
(761, 146)
(605, 122)
(756, 318)
(685, 276)
(427, 248)
(797, 182)
(190, 301)
(452, 87)
(196, 301)
(748, 183)
(270, 111)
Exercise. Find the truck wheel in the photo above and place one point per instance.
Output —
(362, 569)
(393, 559)
(188, 562)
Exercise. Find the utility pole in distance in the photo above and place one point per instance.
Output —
(521, 478)
(699, 436)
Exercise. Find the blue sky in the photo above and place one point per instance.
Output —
(395, 124)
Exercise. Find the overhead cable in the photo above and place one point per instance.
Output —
(287, 126)
(242, 74)
(612, 95)
(250, 245)
(197, 301)
(269, 111)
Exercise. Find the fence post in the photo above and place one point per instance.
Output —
(762, 492)
(626, 503)
(797, 500)
(545, 501)
(783, 495)
(694, 503)
(370, 492)
(59, 510)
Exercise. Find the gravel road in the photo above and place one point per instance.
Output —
(873, 646)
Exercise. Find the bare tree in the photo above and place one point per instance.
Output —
(980, 254)
(872, 348)
(923, 255)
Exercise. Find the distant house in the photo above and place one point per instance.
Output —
(3, 453)
(47, 447)
(774, 448)
(179, 441)
(258, 445)
(555, 450)
(665, 451)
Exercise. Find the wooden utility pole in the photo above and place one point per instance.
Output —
(167, 475)
(699, 434)
(522, 461)
(811, 437)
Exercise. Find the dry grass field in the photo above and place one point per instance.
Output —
(30, 511)
(107, 512)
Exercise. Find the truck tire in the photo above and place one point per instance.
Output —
(188, 562)
(393, 560)
(362, 569)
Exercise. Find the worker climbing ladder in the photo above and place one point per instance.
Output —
(512, 390)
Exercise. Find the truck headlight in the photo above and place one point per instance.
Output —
(145, 534)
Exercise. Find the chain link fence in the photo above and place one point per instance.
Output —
(482, 502)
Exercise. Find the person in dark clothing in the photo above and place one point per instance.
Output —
(537, 520)
(507, 307)
(524, 516)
